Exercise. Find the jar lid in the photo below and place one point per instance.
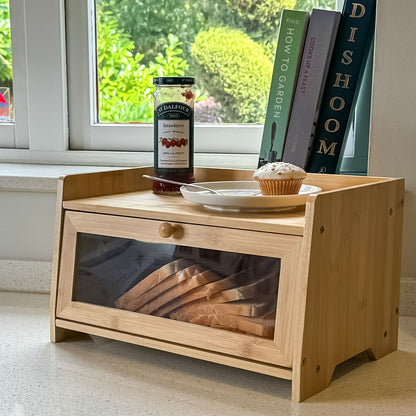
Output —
(173, 80)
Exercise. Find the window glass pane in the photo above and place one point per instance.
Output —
(219, 289)
(228, 45)
(6, 87)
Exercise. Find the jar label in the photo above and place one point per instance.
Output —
(173, 135)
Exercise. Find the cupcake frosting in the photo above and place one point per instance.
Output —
(279, 170)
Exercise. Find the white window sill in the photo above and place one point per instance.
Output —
(26, 170)
(38, 178)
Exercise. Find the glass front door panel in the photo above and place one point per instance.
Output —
(231, 291)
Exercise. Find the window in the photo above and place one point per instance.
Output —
(131, 40)
(54, 100)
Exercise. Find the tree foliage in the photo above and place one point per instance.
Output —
(237, 71)
(260, 19)
(149, 23)
(125, 83)
(308, 5)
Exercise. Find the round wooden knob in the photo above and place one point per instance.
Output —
(166, 229)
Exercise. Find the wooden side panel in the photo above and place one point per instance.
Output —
(65, 237)
(353, 280)
(334, 182)
(129, 180)
(54, 331)
(86, 185)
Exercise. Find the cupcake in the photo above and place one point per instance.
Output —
(279, 178)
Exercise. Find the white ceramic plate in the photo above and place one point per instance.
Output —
(244, 196)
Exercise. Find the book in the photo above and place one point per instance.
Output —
(313, 71)
(354, 154)
(350, 45)
(291, 37)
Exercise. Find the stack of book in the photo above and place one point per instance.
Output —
(316, 77)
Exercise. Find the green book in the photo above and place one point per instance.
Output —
(291, 38)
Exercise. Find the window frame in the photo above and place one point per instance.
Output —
(39, 70)
(40, 133)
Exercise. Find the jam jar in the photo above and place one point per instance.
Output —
(173, 132)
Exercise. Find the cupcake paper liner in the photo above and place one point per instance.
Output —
(280, 187)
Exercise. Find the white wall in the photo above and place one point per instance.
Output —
(393, 123)
(26, 239)
(27, 222)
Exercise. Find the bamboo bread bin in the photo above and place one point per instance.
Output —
(289, 294)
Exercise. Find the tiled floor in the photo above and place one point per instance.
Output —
(94, 376)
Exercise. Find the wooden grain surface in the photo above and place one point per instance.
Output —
(145, 204)
(202, 354)
(351, 273)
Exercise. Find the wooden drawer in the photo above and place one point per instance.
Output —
(276, 351)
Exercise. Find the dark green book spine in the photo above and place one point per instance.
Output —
(292, 31)
(353, 35)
